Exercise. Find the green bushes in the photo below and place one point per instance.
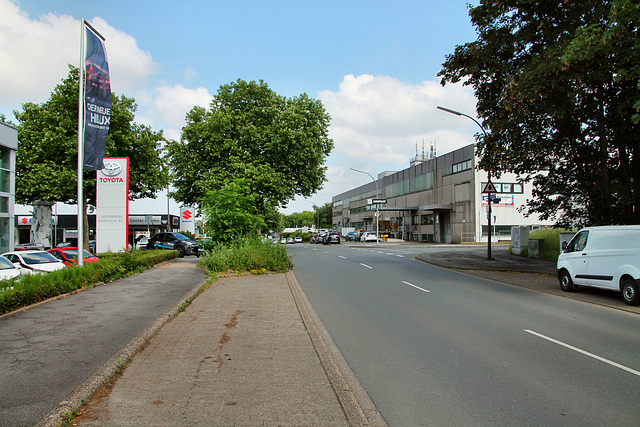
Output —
(551, 237)
(31, 289)
(246, 255)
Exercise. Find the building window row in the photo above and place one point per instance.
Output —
(462, 166)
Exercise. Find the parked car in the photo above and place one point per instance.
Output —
(29, 247)
(297, 239)
(142, 242)
(368, 236)
(31, 262)
(320, 238)
(283, 240)
(69, 256)
(64, 245)
(176, 241)
(313, 238)
(351, 236)
(603, 257)
(8, 271)
(331, 237)
(290, 240)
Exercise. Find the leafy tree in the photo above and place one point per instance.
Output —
(277, 145)
(557, 88)
(231, 213)
(300, 219)
(46, 160)
(325, 213)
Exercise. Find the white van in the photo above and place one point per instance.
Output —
(603, 257)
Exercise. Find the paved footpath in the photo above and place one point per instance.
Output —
(245, 352)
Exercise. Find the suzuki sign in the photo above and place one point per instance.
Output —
(187, 219)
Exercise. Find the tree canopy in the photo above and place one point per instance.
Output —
(46, 160)
(276, 145)
(557, 85)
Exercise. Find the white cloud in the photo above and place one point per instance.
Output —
(171, 104)
(376, 122)
(35, 54)
(380, 118)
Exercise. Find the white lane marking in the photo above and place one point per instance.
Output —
(365, 265)
(417, 287)
(340, 256)
(400, 256)
(380, 252)
(388, 253)
(586, 353)
(327, 252)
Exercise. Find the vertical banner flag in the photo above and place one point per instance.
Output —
(97, 101)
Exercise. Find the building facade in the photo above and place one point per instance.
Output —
(437, 199)
(8, 148)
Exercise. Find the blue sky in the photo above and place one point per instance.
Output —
(372, 63)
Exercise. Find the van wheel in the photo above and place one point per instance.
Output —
(565, 281)
(629, 290)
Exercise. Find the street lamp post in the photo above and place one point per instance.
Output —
(458, 113)
(377, 195)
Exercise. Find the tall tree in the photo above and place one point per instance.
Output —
(277, 145)
(558, 111)
(46, 160)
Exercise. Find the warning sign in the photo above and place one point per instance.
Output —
(489, 188)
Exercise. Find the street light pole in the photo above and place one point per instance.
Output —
(458, 113)
(377, 205)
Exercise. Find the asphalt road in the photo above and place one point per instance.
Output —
(49, 350)
(436, 347)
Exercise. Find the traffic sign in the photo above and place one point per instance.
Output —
(489, 188)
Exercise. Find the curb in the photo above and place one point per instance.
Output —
(356, 403)
(104, 374)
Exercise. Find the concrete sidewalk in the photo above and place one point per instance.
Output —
(245, 352)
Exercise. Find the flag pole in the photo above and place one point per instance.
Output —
(80, 226)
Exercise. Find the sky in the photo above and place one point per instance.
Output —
(372, 63)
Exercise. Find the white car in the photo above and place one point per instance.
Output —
(368, 237)
(297, 239)
(142, 243)
(31, 262)
(8, 271)
(605, 257)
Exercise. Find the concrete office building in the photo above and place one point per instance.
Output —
(437, 199)
(8, 147)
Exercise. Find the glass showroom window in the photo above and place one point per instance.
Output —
(5, 171)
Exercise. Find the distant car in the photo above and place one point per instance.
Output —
(313, 238)
(297, 239)
(331, 237)
(142, 243)
(320, 238)
(368, 237)
(351, 236)
(69, 256)
(31, 262)
(176, 241)
(29, 247)
(290, 240)
(8, 271)
(64, 245)
(283, 240)
(92, 246)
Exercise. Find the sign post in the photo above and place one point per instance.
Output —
(489, 189)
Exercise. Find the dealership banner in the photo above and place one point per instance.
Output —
(112, 207)
(97, 101)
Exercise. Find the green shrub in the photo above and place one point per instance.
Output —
(33, 288)
(551, 237)
(246, 255)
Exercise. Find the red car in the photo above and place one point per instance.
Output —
(69, 256)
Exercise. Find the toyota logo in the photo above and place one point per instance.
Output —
(112, 169)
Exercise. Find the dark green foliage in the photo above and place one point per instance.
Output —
(31, 289)
(557, 84)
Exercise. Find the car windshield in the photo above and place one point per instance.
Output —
(38, 258)
(5, 264)
(181, 236)
(73, 253)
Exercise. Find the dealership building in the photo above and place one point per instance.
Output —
(437, 199)
(8, 147)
